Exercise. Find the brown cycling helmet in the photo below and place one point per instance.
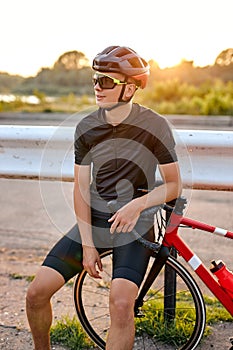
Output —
(121, 59)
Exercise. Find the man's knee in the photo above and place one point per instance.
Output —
(46, 282)
(121, 305)
(36, 295)
(122, 299)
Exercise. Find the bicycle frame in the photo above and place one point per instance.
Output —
(173, 239)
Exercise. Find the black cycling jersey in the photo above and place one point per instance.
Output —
(123, 157)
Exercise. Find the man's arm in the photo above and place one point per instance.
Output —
(82, 208)
(82, 202)
(169, 190)
(125, 218)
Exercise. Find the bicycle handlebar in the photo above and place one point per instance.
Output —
(148, 214)
(177, 205)
(145, 214)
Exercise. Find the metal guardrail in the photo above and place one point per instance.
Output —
(46, 152)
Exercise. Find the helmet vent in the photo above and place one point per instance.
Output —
(123, 52)
(134, 62)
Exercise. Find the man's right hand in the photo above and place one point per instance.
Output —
(92, 262)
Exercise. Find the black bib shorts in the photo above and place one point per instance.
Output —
(130, 258)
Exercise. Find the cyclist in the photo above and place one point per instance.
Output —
(117, 150)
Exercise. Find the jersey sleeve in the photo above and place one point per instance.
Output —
(165, 145)
(81, 149)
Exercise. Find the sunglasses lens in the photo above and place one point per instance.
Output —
(107, 83)
(104, 82)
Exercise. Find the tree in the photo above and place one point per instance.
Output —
(225, 58)
(71, 60)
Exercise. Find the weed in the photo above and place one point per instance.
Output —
(69, 332)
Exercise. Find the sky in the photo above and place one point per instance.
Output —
(35, 33)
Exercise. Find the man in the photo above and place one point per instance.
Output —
(117, 150)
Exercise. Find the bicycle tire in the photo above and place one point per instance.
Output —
(91, 304)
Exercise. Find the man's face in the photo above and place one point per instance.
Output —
(107, 92)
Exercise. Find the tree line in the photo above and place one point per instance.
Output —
(72, 73)
(182, 89)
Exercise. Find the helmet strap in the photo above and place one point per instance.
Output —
(121, 94)
(120, 101)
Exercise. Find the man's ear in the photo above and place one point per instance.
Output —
(130, 90)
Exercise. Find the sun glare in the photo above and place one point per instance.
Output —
(169, 58)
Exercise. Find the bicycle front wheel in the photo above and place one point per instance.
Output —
(154, 330)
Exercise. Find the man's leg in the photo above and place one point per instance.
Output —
(39, 312)
(122, 331)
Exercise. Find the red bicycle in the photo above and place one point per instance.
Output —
(170, 310)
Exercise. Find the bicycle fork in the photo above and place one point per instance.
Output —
(159, 262)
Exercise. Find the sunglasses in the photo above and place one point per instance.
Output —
(106, 82)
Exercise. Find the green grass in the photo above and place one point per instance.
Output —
(17, 276)
(69, 333)
(177, 332)
(173, 332)
(215, 312)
